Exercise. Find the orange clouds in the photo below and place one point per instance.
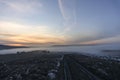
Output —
(18, 28)
(104, 41)
(20, 34)
(34, 40)
(15, 44)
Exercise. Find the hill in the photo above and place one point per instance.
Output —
(10, 47)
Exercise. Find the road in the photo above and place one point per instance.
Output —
(74, 71)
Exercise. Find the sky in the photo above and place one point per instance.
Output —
(54, 22)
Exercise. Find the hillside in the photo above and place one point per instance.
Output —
(10, 47)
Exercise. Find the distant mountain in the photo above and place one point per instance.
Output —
(74, 45)
(10, 47)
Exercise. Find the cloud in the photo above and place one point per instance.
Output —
(31, 40)
(23, 34)
(16, 33)
(68, 11)
(95, 36)
(63, 11)
(5, 34)
(21, 5)
(115, 39)
(18, 28)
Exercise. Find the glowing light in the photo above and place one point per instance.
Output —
(15, 44)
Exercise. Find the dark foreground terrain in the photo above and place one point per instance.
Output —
(45, 65)
(35, 65)
(81, 67)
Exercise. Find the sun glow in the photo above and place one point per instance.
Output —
(15, 44)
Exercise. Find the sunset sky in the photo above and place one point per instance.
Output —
(50, 22)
